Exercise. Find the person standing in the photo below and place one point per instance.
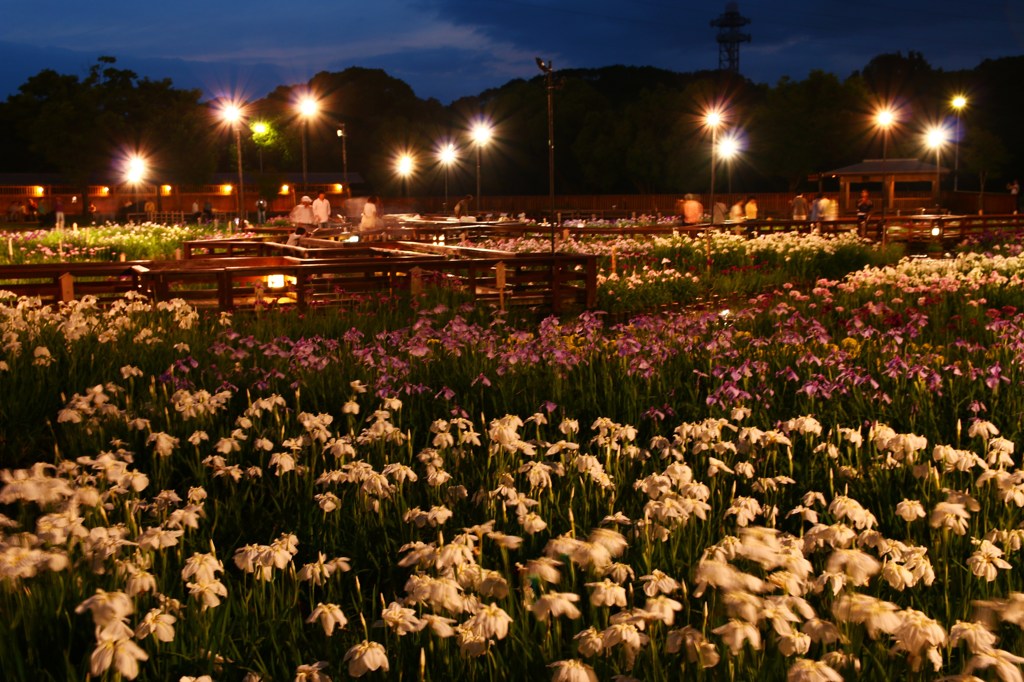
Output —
(864, 208)
(261, 211)
(368, 221)
(737, 214)
(321, 210)
(799, 207)
(302, 214)
(1014, 188)
(58, 213)
(693, 210)
(750, 208)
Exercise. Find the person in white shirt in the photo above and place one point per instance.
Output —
(302, 214)
(369, 219)
(296, 236)
(321, 210)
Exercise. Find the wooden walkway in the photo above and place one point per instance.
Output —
(314, 276)
(245, 273)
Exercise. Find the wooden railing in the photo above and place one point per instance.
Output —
(68, 281)
(555, 282)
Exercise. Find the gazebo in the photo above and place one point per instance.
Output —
(889, 173)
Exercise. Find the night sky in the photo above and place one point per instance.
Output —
(452, 48)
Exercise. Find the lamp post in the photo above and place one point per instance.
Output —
(233, 114)
(404, 166)
(446, 155)
(259, 130)
(713, 119)
(884, 119)
(482, 133)
(136, 175)
(342, 133)
(728, 148)
(959, 102)
(936, 137)
(307, 109)
(549, 84)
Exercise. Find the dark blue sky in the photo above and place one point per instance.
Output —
(451, 48)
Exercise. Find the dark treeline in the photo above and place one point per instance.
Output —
(617, 129)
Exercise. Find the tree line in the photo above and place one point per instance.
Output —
(617, 129)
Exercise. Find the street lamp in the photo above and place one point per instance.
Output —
(935, 138)
(884, 119)
(342, 133)
(135, 173)
(232, 114)
(959, 102)
(259, 131)
(446, 155)
(482, 133)
(549, 80)
(405, 164)
(728, 148)
(308, 108)
(713, 119)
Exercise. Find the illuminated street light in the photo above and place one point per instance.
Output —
(885, 118)
(232, 114)
(259, 134)
(712, 120)
(308, 108)
(959, 102)
(481, 133)
(135, 173)
(728, 148)
(405, 164)
(936, 138)
(446, 155)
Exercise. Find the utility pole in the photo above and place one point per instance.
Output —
(342, 133)
(549, 79)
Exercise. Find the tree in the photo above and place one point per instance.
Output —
(83, 127)
(984, 154)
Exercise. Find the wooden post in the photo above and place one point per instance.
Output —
(499, 282)
(225, 296)
(556, 287)
(416, 281)
(615, 253)
(66, 283)
(300, 288)
(591, 281)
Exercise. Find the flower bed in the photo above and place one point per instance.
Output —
(823, 482)
(146, 241)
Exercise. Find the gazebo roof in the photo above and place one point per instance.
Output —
(888, 167)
